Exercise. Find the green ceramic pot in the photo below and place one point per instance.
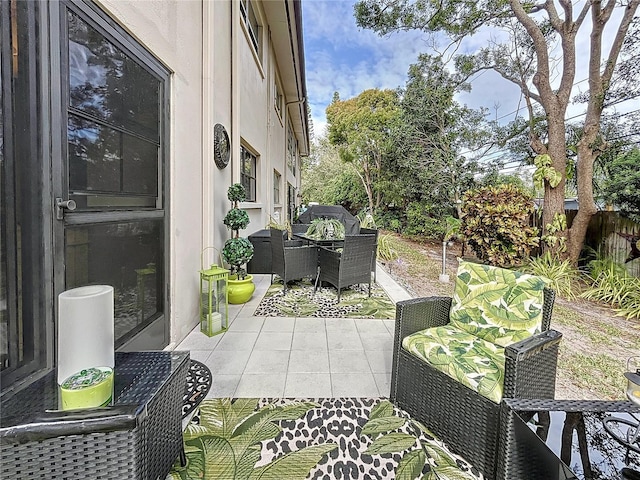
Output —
(240, 291)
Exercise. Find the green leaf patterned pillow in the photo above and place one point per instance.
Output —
(498, 305)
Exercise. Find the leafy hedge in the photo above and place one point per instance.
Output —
(495, 223)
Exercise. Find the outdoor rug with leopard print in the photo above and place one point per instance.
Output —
(326, 438)
(299, 300)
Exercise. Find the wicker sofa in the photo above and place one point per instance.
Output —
(457, 413)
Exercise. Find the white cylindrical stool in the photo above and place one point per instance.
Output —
(85, 330)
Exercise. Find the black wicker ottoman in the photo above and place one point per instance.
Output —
(138, 437)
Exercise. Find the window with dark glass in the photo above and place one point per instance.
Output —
(250, 21)
(278, 100)
(115, 164)
(248, 173)
(113, 123)
(292, 147)
(276, 187)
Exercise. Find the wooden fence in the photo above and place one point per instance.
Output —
(611, 234)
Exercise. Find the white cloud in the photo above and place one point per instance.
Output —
(341, 57)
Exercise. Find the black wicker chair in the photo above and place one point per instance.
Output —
(291, 262)
(464, 419)
(350, 266)
(372, 231)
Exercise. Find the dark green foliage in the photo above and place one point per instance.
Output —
(622, 188)
(236, 219)
(421, 221)
(236, 193)
(391, 220)
(495, 223)
(237, 251)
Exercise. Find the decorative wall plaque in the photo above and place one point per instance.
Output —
(221, 146)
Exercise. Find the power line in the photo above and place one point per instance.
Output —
(616, 102)
(523, 108)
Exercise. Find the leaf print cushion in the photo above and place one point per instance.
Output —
(471, 361)
(498, 305)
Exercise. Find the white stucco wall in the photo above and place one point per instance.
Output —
(205, 46)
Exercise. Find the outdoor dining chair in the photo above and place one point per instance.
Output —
(372, 231)
(349, 265)
(291, 262)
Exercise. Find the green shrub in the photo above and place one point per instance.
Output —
(420, 221)
(606, 265)
(495, 223)
(614, 286)
(236, 193)
(391, 220)
(562, 275)
(386, 252)
(237, 251)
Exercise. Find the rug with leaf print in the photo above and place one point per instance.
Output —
(327, 438)
(300, 301)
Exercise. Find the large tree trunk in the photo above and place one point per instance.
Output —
(586, 202)
(554, 196)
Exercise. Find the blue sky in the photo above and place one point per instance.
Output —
(344, 58)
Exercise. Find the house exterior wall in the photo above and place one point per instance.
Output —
(216, 78)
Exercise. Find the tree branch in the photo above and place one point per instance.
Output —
(554, 18)
(618, 41)
(567, 6)
(581, 16)
(541, 78)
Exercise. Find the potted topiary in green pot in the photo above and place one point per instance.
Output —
(238, 251)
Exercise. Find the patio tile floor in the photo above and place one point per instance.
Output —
(298, 357)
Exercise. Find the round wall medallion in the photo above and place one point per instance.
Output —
(221, 146)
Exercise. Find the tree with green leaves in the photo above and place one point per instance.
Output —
(434, 131)
(326, 179)
(622, 188)
(540, 59)
(361, 127)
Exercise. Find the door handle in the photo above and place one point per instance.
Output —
(62, 205)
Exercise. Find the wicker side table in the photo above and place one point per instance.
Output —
(138, 437)
(571, 429)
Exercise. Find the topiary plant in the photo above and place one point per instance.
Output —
(237, 251)
(495, 223)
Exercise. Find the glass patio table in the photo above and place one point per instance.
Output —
(320, 242)
(568, 440)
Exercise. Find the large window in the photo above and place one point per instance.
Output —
(278, 100)
(277, 179)
(248, 173)
(292, 148)
(116, 106)
(250, 20)
(113, 123)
